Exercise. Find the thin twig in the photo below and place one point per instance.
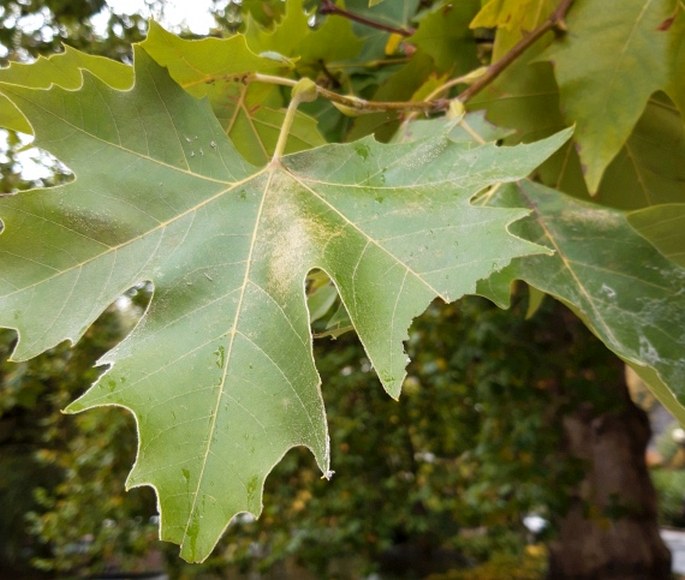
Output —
(554, 22)
(330, 7)
(356, 103)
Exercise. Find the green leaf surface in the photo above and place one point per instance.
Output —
(60, 69)
(664, 227)
(605, 92)
(625, 291)
(197, 64)
(650, 168)
(219, 373)
(472, 128)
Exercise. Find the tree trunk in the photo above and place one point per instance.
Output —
(610, 529)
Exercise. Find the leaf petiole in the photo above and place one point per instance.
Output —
(304, 91)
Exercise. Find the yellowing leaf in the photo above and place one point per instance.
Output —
(510, 14)
(393, 44)
(513, 20)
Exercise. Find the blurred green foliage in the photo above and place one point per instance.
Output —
(39, 27)
(670, 487)
(62, 504)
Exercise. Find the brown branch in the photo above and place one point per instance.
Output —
(554, 22)
(330, 7)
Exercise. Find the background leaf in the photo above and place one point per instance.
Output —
(664, 227)
(444, 35)
(649, 168)
(332, 41)
(624, 290)
(604, 92)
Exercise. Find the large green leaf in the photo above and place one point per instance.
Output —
(605, 91)
(219, 373)
(627, 293)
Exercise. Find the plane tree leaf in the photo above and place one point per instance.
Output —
(626, 292)
(604, 92)
(219, 373)
(397, 14)
(676, 88)
(377, 42)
